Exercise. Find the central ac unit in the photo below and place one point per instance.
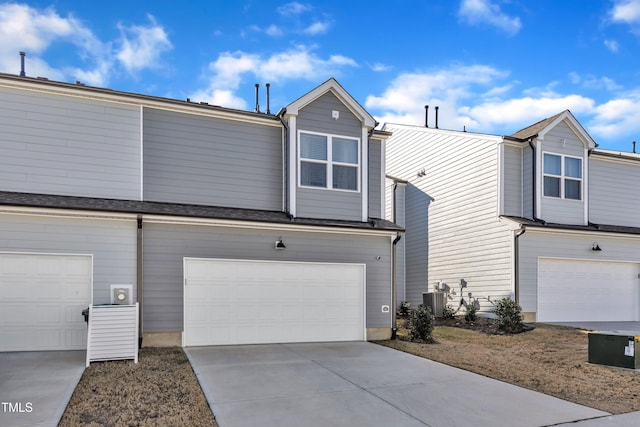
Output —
(436, 301)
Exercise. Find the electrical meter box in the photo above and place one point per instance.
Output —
(620, 349)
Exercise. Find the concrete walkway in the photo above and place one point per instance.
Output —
(35, 387)
(362, 384)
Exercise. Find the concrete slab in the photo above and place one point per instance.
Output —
(361, 384)
(35, 387)
(632, 327)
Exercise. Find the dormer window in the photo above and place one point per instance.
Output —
(562, 176)
(329, 161)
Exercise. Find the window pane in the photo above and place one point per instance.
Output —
(345, 177)
(552, 164)
(313, 174)
(551, 186)
(572, 189)
(572, 167)
(345, 150)
(313, 146)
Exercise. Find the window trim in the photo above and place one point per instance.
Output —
(329, 163)
(563, 177)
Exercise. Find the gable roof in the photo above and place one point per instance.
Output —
(540, 128)
(334, 87)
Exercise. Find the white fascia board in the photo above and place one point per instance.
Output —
(66, 213)
(293, 165)
(588, 233)
(364, 162)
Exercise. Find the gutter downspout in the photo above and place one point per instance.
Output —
(394, 285)
(139, 277)
(516, 268)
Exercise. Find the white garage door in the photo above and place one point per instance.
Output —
(254, 302)
(41, 303)
(587, 291)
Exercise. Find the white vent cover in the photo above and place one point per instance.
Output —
(122, 294)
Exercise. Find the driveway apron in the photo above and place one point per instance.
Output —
(35, 387)
(361, 384)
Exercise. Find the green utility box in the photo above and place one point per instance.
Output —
(620, 349)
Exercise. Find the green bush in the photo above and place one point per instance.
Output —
(448, 312)
(421, 324)
(509, 316)
(405, 307)
(472, 313)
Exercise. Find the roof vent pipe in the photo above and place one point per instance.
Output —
(22, 55)
(437, 108)
(257, 104)
(426, 116)
(268, 85)
(634, 146)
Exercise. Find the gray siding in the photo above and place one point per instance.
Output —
(326, 203)
(395, 204)
(167, 245)
(111, 242)
(527, 182)
(534, 244)
(556, 210)
(375, 179)
(614, 195)
(512, 180)
(53, 144)
(209, 161)
(452, 211)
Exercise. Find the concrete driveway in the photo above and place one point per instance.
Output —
(35, 387)
(361, 384)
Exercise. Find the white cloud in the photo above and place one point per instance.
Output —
(626, 11)
(274, 31)
(479, 12)
(293, 8)
(230, 68)
(141, 46)
(317, 28)
(612, 45)
(379, 67)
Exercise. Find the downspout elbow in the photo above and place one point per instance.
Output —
(394, 284)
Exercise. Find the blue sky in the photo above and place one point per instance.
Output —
(492, 66)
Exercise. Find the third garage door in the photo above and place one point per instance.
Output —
(254, 302)
(571, 290)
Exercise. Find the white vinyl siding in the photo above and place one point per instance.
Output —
(452, 211)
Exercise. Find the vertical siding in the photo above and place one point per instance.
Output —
(556, 210)
(54, 144)
(167, 245)
(209, 161)
(512, 180)
(111, 242)
(327, 203)
(454, 207)
(375, 179)
(614, 195)
(535, 244)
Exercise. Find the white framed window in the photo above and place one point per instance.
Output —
(329, 161)
(562, 176)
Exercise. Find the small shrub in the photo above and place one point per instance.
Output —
(448, 312)
(421, 324)
(509, 316)
(472, 313)
(405, 307)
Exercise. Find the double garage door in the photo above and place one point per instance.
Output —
(41, 301)
(576, 291)
(253, 302)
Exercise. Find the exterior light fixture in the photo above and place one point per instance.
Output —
(596, 247)
(280, 244)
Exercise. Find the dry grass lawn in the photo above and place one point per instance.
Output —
(549, 359)
(160, 390)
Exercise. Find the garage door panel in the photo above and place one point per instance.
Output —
(571, 290)
(251, 302)
(43, 297)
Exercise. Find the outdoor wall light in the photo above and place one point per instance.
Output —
(280, 244)
(596, 247)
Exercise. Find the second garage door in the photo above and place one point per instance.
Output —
(576, 291)
(254, 302)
